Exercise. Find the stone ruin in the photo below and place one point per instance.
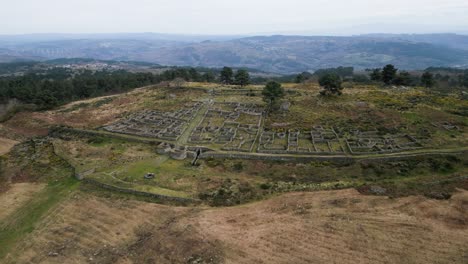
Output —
(175, 152)
(447, 126)
(156, 124)
(326, 141)
(316, 141)
(233, 125)
(238, 126)
(370, 142)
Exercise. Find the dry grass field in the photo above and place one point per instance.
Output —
(16, 196)
(6, 144)
(320, 227)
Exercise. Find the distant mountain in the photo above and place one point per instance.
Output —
(448, 40)
(281, 54)
(28, 38)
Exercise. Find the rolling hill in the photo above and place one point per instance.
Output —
(280, 54)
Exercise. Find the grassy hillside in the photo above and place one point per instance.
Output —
(406, 205)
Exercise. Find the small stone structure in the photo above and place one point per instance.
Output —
(370, 142)
(316, 141)
(149, 175)
(80, 176)
(175, 152)
(285, 106)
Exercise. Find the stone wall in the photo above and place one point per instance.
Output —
(60, 131)
(334, 159)
(339, 160)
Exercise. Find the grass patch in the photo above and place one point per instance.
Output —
(103, 102)
(75, 107)
(112, 195)
(139, 169)
(161, 191)
(131, 176)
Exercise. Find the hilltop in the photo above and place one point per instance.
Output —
(204, 173)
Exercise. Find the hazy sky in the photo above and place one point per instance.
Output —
(233, 17)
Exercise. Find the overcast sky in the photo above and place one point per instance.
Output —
(233, 17)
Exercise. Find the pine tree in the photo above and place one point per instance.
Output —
(272, 92)
(331, 84)
(404, 78)
(389, 74)
(226, 75)
(376, 75)
(242, 78)
(427, 79)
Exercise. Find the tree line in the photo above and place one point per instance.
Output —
(60, 86)
(448, 78)
(57, 86)
(431, 77)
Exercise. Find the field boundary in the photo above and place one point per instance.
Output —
(209, 153)
(336, 159)
(140, 193)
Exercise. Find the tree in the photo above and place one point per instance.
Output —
(464, 79)
(388, 74)
(208, 77)
(194, 75)
(302, 77)
(45, 100)
(427, 79)
(376, 75)
(226, 75)
(361, 78)
(343, 72)
(404, 78)
(242, 78)
(58, 86)
(272, 92)
(331, 84)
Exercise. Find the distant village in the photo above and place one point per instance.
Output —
(93, 66)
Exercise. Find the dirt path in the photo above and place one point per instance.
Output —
(183, 139)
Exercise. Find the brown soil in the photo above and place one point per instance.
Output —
(17, 195)
(342, 227)
(6, 145)
(319, 227)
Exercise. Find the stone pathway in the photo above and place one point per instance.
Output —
(183, 139)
